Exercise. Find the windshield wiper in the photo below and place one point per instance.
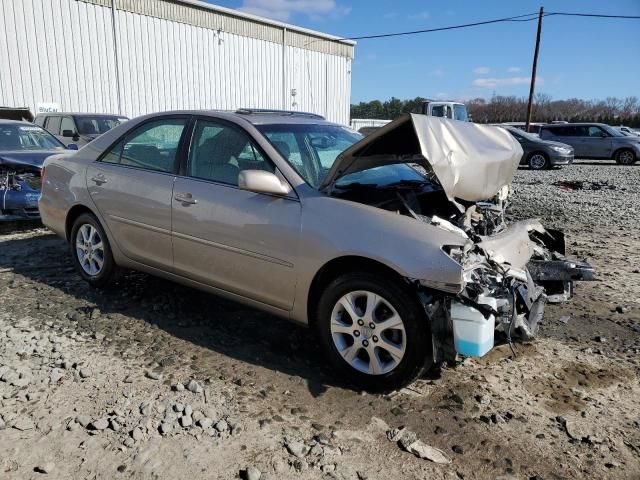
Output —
(409, 183)
(357, 185)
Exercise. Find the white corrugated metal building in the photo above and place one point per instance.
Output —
(133, 57)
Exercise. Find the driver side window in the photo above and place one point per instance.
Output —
(219, 152)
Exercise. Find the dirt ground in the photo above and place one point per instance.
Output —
(154, 380)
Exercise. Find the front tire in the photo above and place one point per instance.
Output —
(91, 252)
(374, 332)
(538, 161)
(625, 157)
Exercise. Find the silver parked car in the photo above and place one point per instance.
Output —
(383, 245)
(595, 140)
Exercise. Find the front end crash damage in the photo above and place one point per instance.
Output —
(508, 272)
(508, 277)
(19, 192)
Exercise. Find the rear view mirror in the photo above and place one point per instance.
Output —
(260, 181)
(323, 142)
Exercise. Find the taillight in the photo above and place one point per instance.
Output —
(42, 174)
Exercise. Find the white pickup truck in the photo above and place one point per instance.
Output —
(450, 110)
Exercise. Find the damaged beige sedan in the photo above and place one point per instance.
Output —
(393, 248)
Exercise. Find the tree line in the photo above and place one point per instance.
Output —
(500, 108)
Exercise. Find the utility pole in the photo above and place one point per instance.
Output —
(533, 70)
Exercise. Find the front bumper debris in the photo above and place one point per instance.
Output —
(509, 277)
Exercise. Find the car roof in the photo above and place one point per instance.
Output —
(255, 117)
(50, 114)
(6, 121)
(584, 124)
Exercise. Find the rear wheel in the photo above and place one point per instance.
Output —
(625, 157)
(538, 161)
(91, 252)
(373, 332)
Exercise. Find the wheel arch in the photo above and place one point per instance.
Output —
(340, 266)
(72, 215)
(536, 152)
(622, 149)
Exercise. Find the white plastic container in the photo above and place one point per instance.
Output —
(472, 333)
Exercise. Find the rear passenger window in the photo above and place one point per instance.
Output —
(220, 152)
(152, 146)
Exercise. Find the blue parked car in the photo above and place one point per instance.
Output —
(23, 149)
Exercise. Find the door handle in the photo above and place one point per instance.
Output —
(185, 198)
(99, 179)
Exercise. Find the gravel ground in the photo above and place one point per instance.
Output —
(153, 380)
(614, 206)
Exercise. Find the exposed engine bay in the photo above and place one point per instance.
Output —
(19, 192)
(509, 271)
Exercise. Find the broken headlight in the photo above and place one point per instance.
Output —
(455, 252)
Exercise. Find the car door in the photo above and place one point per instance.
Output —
(132, 185)
(243, 242)
(574, 135)
(598, 143)
(69, 132)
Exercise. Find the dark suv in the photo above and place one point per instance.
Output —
(80, 127)
(595, 140)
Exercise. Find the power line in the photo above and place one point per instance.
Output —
(528, 17)
(595, 15)
(519, 18)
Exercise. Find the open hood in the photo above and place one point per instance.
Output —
(472, 162)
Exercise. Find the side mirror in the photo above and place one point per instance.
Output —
(260, 181)
(72, 146)
(68, 133)
(603, 135)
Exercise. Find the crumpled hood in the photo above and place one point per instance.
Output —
(472, 162)
(33, 158)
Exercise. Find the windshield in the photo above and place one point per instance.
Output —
(460, 113)
(441, 111)
(397, 173)
(27, 137)
(521, 134)
(310, 149)
(88, 125)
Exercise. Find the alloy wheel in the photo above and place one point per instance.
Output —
(90, 249)
(368, 332)
(537, 161)
(626, 157)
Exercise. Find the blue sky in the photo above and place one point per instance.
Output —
(579, 57)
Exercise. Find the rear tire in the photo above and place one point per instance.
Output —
(538, 161)
(384, 343)
(625, 157)
(91, 253)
